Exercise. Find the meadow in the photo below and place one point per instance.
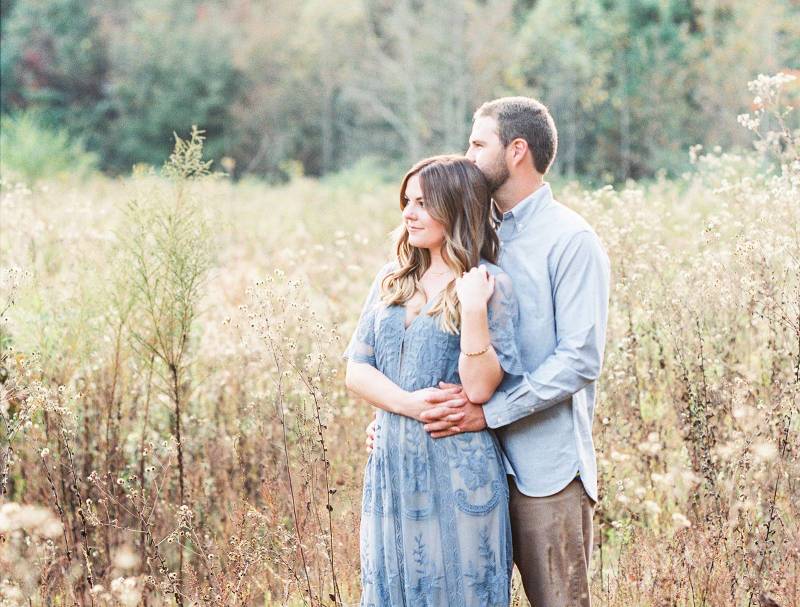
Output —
(176, 428)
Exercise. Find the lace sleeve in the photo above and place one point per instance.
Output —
(504, 325)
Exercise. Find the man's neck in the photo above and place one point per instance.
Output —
(515, 190)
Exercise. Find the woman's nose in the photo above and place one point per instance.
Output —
(408, 212)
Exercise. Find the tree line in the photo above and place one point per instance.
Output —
(287, 86)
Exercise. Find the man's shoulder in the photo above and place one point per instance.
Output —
(569, 230)
(566, 222)
(492, 268)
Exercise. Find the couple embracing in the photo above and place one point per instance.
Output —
(480, 345)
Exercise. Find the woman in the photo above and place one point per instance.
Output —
(434, 525)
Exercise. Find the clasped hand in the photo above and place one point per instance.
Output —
(445, 411)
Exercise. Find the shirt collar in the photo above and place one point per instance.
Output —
(515, 220)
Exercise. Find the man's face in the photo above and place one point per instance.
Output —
(487, 152)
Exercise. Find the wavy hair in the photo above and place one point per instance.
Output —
(456, 195)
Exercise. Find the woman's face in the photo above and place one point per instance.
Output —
(423, 230)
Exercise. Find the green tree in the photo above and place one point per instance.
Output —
(427, 66)
(172, 67)
(55, 60)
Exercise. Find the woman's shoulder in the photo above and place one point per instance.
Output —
(388, 267)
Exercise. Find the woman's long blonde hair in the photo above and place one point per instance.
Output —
(456, 195)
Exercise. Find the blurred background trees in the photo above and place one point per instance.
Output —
(290, 86)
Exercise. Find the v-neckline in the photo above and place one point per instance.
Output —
(406, 327)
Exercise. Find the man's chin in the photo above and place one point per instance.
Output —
(496, 182)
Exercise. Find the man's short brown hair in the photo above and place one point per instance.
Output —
(528, 119)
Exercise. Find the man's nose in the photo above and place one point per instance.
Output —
(470, 154)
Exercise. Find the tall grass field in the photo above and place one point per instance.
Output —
(175, 428)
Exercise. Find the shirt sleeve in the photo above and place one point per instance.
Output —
(580, 283)
(361, 348)
(503, 313)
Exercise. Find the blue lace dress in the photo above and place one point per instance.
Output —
(434, 521)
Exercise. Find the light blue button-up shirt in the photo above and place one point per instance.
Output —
(560, 274)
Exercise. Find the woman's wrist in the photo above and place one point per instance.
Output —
(473, 309)
(402, 405)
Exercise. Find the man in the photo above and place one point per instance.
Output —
(543, 419)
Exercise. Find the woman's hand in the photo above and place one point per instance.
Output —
(474, 288)
(420, 401)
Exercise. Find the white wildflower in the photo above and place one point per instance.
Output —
(680, 520)
(651, 507)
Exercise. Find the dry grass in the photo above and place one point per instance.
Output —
(105, 429)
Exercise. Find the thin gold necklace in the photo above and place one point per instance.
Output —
(438, 273)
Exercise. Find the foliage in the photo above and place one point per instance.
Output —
(31, 149)
(172, 67)
(318, 85)
(55, 60)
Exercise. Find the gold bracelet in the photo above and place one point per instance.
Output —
(484, 351)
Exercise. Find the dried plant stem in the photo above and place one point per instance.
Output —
(282, 418)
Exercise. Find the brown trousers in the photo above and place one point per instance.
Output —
(553, 544)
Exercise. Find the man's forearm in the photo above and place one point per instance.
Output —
(559, 377)
(580, 302)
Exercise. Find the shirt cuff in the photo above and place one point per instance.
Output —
(503, 408)
(495, 410)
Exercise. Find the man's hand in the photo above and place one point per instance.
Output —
(369, 443)
(448, 400)
(447, 418)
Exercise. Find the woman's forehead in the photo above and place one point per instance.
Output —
(413, 187)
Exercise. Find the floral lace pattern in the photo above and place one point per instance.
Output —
(434, 521)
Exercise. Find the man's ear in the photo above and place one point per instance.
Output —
(519, 149)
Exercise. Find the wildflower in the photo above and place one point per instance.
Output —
(680, 520)
(765, 451)
(32, 519)
(651, 507)
(749, 122)
(661, 479)
(126, 591)
(126, 558)
(650, 448)
(616, 456)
